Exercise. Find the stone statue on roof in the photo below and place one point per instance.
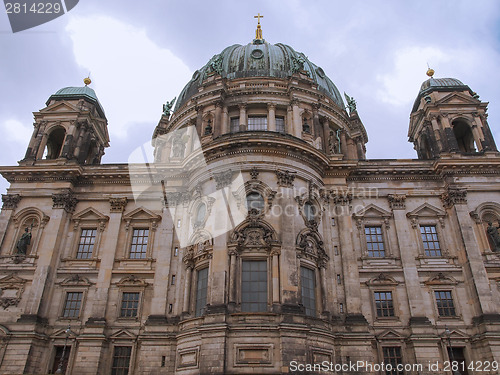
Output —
(167, 107)
(351, 103)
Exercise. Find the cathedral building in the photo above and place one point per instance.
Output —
(255, 237)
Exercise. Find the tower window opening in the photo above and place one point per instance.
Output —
(54, 144)
(235, 125)
(463, 134)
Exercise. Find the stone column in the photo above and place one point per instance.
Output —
(10, 202)
(289, 120)
(232, 276)
(243, 117)
(199, 121)
(41, 148)
(187, 288)
(359, 148)
(217, 130)
(297, 120)
(352, 151)
(437, 134)
(225, 121)
(324, 291)
(343, 143)
(326, 135)
(449, 134)
(275, 277)
(36, 139)
(271, 116)
(316, 126)
(79, 142)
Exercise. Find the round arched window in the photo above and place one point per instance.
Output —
(310, 211)
(255, 201)
(200, 213)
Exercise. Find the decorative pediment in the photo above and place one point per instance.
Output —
(457, 334)
(11, 290)
(390, 334)
(28, 213)
(457, 98)
(372, 211)
(441, 279)
(123, 334)
(426, 210)
(382, 280)
(254, 233)
(310, 245)
(60, 106)
(90, 215)
(132, 280)
(142, 214)
(75, 280)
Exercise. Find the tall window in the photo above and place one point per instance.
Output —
(383, 303)
(130, 305)
(254, 285)
(430, 240)
(121, 360)
(58, 358)
(444, 302)
(235, 125)
(201, 291)
(280, 124)
(374, 242)
(72, 305)
(255, 201)
(392, 356)
(86, 244)
(257, 123)
(139, 243)
(308, 289)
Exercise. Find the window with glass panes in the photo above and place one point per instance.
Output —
(86, 243)
(257, 123)
(392, 356)
(72, 304)
(308, 289)
(121, 360)
(130, 304)
(383, 303)
(201, 291)
(280, 124)
(139, 244)
(254, 285)
(430, 240)
(374, 242)
(235, 125)
(444, 302)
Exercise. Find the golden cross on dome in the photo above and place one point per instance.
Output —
(258, 32)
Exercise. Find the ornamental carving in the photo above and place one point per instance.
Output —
(117, 204)
(254, 233)
(11, 290)
(397, 201)
(199, 251)
(310, 246)
(285, 178)
(223, 179)
(176, 198)
(10, 201)
(342, 198)
(454, 196)
(254, 173)
(64, 200)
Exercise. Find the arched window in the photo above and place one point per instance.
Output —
(54, 143)
(463, 134)
(201, 212)
(310, 211)
(425, 148)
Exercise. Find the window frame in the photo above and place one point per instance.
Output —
(64, 300)
(203, 267)
(86, 228)
(130, 243)
(139, 303)
(268, 282)
(385, 359)
(384, 251)
(392, 309)
(259, 126)
(131, 357)
(315, 286)
(422, 242)
(453, 300)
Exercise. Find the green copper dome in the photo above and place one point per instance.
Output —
(439, 84)
(260, 60)
(71, 93)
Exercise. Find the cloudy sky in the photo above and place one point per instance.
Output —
(141, 54)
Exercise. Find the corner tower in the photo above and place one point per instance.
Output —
(72, 128)
(449, 118)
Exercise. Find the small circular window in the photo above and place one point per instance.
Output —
(255, 201)
(200, 214)
(320, 72)
(310, 211)
(257, 53)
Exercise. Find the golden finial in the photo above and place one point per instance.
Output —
(258, 32)
(430, 71)
(87, 81)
